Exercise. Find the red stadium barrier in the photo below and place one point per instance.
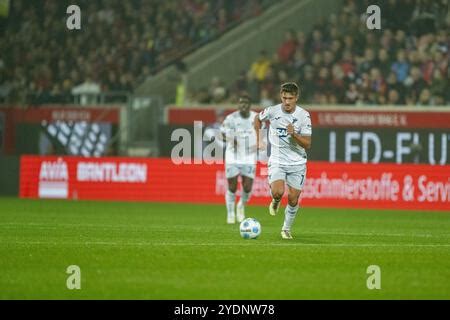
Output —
(421, 187)
(339, 118)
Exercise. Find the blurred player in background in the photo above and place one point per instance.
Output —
(240, 156)
(290, 136)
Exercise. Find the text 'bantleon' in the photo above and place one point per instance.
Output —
(112, 172)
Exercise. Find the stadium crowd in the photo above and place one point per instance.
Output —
(120, 43)
(342, 61)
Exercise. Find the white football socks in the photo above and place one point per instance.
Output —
(289, 216)
(245, 197)
(230, 199)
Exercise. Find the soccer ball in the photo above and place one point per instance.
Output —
(250, 228)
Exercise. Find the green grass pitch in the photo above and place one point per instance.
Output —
(179, 251)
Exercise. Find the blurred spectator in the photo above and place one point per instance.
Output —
(260, 67)
(323, 82)
(287, 49)
(348, 65)
(241, 84)
(377, 83)
(87, 92)
(414, 83)
(393, 84)
(383, 62)
(328, 59)
(438, 101)
(351, 94)
(425, 97)
(401, 66)
(316, 42)
(301, 41)
(202, 96)
(217, 91)
(393, 97)
(338, 81)
(439, 85)
(307, 86)
(253, 86)
(265, 100)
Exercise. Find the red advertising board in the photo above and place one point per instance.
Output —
(335, 118)
(420, 187)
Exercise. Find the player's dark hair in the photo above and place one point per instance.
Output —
(245, 96)
(290, 87)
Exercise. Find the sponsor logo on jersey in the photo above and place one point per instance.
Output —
(282, 132)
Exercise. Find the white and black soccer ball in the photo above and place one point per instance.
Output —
(250, 228)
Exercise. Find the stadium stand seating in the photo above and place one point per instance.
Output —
(341, 61)
(119, 45)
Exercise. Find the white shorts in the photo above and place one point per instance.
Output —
(233, 170)
(294, 176)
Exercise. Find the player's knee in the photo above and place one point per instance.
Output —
(232, 185)
(277, 194)
(293, 199)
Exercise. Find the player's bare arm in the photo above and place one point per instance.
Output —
(257, 123)
(303, 141)
(257, 126)
(259, 139)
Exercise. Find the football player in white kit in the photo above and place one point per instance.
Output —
(290, 136)
(240, 156)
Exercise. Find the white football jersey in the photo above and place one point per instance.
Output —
(240, 139)
(284, 149)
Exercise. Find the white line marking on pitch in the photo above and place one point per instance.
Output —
(154, 244)
(150, 227)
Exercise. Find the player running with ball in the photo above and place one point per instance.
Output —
(290, 136)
